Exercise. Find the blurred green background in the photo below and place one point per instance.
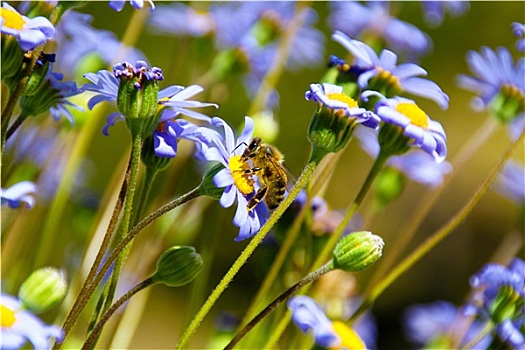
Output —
(443, 274)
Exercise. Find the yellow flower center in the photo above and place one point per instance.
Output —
(7, 316)
(12, 19)
(343, 98)
(349, 338)
(387, 77)
(513, 92)
(414, 113)
(241, 179)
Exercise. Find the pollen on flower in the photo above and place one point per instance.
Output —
(343, 98)
(349, 338)
(241, 179)
(8, 317)
(388, 78)
(416, 115)
(12, 19)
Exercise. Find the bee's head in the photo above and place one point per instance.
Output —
(253, 148)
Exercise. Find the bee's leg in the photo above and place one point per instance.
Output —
(252, 171)
(259, 196)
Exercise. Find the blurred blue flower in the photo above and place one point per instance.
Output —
(118, 5)
(308, 316)
(519, 31)
(439, 322)
(78, 39)
(434, 11)
(30, 32)
(511, 182)
(181, 19)
(373, 18)
(19, 194)
(493, 71)
(500, 299)
(238, 185)
(332, 96)
(20, 325)
(417, 165)
(405, 75)
(105, 85)
(423, 132)
(64, 89)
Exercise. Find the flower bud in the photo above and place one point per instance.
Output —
(207, 186)
(177, 266)
(39, 74)
(138, 89)
(357, 251)
(43, 289)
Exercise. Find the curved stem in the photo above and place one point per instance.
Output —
(291, 236)
(16, 124)
(90, 341)
(89, 289)
(84, 294)
(243, 257)
(428, 200)
(277, 301)
(438, 236)
(334, 238)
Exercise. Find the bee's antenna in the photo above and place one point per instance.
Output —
(242, 143)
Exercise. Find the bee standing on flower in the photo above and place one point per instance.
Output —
(268, 165)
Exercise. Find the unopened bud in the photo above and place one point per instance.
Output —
(178, 266)
(357, 251)
(43, 289)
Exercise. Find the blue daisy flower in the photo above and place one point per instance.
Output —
(106, 85)
(20, 326)
(333, 97)
(404, 76)
(494, 72)
(355, 19)
(30, 32)
(511, 182)
(239, 186)
(434, 11)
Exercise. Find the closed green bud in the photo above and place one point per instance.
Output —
(177, 266)
(357, 251)
(43, 289)
(207, 186)
(137, 97)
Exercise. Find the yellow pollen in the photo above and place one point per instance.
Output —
(12, 19)
(349, 338)
(7, 316)
(241, 179)
(388, 78)
(414, 113)
(343, 98)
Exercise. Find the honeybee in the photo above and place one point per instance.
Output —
(268, 166)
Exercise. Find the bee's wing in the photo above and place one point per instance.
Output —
(291, 178)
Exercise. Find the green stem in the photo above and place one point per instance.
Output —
(243, 257)
(428, 200)
(136, 147)
(145, 188)
(438, 236)
(16, 124)
(283, 297)
(89, 289)
(91, 340)
(334, 238)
